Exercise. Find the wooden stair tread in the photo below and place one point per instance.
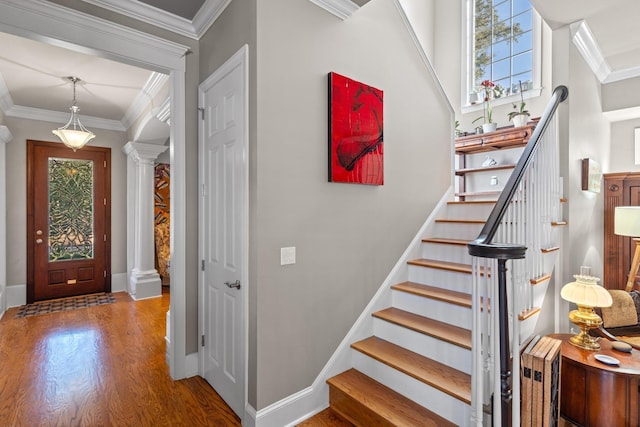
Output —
(442, 377)
(528, 313)
(460, 172)
(462, 221)
(478, 193)
(424, 325)
(432, 292)
(538, 280)
(384, 403)
(446, 241)
(442, 265)
(326, 418)
(549, 250)
(471, 202)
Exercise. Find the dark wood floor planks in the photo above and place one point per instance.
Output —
(99, 366)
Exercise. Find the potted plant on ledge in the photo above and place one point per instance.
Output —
(488, 87)
(520, 116)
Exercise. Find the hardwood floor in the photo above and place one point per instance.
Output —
(99, 366)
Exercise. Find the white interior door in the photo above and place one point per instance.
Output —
(224, 225)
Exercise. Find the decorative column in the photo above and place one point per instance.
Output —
(5, 137)
(144, 280)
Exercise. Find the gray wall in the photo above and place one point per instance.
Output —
(623, 146)
(17, 194)
(235, 28)
(348, 237)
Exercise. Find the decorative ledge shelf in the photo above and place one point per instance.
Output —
(507, 137)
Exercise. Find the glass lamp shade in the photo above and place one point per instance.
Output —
(586, 294)
(73, 134)
(627, 221)
(586, 291)
(74, 138)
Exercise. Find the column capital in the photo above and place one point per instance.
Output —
(5, 134)
(143, 153)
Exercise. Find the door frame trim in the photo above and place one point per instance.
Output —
(239, 59)
(31, 145)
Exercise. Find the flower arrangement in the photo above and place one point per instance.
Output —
(489, 93)
(521, 110)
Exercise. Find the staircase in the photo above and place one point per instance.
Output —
(437, 353)
(421, 344)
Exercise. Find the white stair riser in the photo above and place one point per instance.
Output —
(436, 401)
(481, 181)
(502, 157)
(446, 353)
(453, 230)
(445, 279)
(446, 252)
(434, 309)
(467, 211)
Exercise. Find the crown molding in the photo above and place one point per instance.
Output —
(205, 17)
(340, 8)
(5, 135)
(149, 91)
(6, 102)
(30, 113)
(23, 17)
(163, 112)
(588, 47)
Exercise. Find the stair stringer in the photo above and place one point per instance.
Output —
(313, 399)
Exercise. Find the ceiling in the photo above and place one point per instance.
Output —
(33, 75)
(613, 25)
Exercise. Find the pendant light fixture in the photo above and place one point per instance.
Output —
(74, 135)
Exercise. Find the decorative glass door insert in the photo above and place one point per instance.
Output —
(71, 205)
(68, 220)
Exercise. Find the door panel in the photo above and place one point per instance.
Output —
(223, 221)
(67, 228)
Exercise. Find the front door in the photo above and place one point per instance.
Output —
(224, 223)
(68, 212)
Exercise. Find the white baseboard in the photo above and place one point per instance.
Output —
(308, 402)
(16, 295)
(191, 365)
(119, 282)
(249, 419)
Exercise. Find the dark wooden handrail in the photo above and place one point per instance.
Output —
(484, 247)
(481, 246)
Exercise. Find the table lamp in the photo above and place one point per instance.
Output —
(586, 294)
(627, 223)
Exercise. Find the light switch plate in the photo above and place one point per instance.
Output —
(288, 255)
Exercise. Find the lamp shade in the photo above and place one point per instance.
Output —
(627, 221)
(585, 291)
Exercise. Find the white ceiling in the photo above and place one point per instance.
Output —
(33, 75)
(613, 24)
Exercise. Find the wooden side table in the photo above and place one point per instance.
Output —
(596, 394)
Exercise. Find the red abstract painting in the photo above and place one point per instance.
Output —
(355, 132)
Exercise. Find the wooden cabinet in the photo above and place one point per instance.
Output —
(620, 189)
(597, 395)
